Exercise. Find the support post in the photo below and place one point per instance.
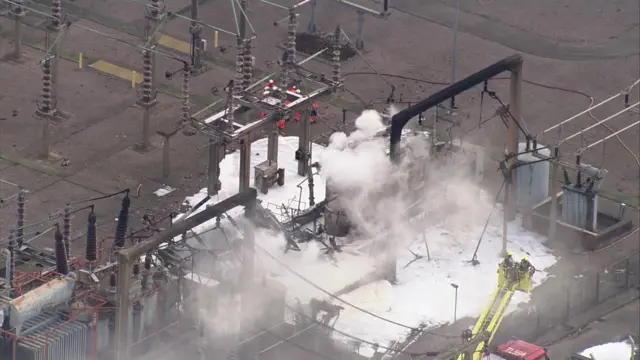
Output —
(122, 319)
(515, 97)
(360, 38)
(245, 163)
(17, 13)
(304, 144)
(553, 215)
(311, 28)
(454, 52)
(215, 152)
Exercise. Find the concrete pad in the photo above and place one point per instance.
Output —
(174, 44)
(117, 71)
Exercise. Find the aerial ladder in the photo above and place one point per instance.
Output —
(512, 277)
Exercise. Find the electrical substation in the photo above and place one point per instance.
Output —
(128, 275)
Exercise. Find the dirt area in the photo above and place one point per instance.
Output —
(572, 51)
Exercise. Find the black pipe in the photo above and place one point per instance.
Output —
(399, 120)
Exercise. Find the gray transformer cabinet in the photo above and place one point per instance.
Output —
(267, 174)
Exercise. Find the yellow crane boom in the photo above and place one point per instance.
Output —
(512, 277)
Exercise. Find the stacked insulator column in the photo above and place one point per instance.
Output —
(335, 59)
(56, 14)
(22, 200)
(237, 84)
(247, 64)
(46, 96)
(66, 230)
(186, 102)
(147, 76)
(291, 38)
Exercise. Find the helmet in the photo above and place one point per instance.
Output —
(509, 253)
(526, 258)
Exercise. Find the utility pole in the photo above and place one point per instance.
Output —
(248, 256)
(17, 13)
(553, 216)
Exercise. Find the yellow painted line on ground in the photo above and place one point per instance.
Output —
(175, 44)
(115, 70)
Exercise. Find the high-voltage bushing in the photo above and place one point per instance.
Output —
(66, 229)
(187, 125)
(147, 77)
(62, 264)
(56, 15)
(91, 252)
(123, 222)
(247, 65)
(237, 84)
(335, 58)
(46, 101)
(21, 202)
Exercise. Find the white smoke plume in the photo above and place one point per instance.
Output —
(381, 198)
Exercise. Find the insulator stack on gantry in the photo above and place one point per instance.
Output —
(56, 14)
(46, 95)
(335, 58)
(187, 126)
(237, 84)
(247, 65)
(21, 203)
(147, 76)
(290, 57)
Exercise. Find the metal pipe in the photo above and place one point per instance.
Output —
(610, 136)
(580, 114)
(581, 132)
(399, 120)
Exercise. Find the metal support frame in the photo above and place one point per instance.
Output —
(246, 132)
(127, 257)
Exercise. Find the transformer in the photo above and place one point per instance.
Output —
(532, 177)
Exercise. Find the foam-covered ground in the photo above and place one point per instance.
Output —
(424, 293)
(610, 351)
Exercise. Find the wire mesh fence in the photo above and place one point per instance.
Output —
(555, 303)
